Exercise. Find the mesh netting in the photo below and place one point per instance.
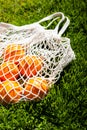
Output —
(32, 58)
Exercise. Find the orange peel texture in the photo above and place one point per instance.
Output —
(35, 88)
(30, 65)
(8, 70)
(10, 92)
(13, 53)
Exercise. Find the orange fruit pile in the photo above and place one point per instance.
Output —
(17, 65)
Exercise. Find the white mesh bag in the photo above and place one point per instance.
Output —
(32, 58)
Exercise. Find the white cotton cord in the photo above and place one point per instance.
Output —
(51, 22)
(62, 30)
(52, 17)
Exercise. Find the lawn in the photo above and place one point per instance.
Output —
(64, 108)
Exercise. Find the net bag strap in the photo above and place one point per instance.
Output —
(53, 17)
(64, 27)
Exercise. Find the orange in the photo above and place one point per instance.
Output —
(10, 91)
(35, 88)
(13, 53)
(30, 65)
(9, 71)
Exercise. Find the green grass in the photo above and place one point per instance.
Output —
(64, 108)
